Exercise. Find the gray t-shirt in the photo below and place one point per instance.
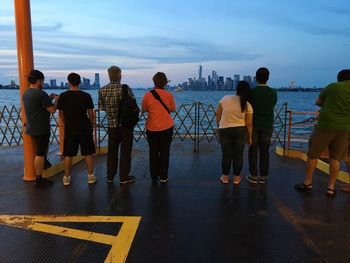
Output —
(35, 102)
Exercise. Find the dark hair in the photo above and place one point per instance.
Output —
(160, 80)
(262, 75)
(74, 79)
(343, 75)
(32, 80)
(243, 90)
(34, 76)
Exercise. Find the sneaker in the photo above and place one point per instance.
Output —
(47, 164)
(262, 179)
(91, 179)
(224, 179)
(163, 181)
(237, 180)
(43, 182)
(110, 180)
(66, 180)
(252, 179)
(129, 179)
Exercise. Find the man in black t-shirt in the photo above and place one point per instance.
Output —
(38, 107)
(77, 112)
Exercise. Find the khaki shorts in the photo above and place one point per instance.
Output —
(337, 143)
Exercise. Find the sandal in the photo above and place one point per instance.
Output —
(306, 188)
(331, 192)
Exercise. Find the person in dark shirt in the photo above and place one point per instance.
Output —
(263, 99)
(77, 112)
(38, 107)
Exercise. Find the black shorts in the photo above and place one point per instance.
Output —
(73, 141)
(41, 143)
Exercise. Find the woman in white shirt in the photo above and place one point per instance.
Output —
(234, 118)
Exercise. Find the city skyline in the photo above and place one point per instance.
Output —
(302, 41)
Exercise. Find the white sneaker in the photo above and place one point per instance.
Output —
(91, 179)
(66, 180)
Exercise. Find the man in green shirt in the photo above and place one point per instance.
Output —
(332, 131)
(263, 99)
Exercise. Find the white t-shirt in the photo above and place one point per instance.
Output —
(232, 116)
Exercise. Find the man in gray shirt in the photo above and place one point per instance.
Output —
(38, 107)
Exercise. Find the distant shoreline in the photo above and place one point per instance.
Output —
(279, 89)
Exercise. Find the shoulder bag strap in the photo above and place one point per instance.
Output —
(157, 97)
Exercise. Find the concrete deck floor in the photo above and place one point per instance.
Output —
(194, 218)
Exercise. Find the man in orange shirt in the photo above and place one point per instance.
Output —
(158, 103)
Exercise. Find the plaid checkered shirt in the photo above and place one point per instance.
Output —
(109, 98)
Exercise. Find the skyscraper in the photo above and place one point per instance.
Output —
(200, 72)
(53, 83)
(248, 79)
(97, 81)
(236, 79)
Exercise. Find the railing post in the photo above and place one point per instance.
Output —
(195, 127)
(285, 128)
(289, 127)
(25, 65)
(99, 131)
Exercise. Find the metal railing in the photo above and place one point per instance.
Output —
(196, 122)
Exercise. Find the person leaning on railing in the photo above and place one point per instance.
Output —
(158, 103)
(234, 118)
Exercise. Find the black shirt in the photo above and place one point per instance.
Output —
(35, 102)
(74, 104)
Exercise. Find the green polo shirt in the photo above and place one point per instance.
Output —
(263, 99)
(335, 109)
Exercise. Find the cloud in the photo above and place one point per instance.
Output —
(339, 11)
(37, 28)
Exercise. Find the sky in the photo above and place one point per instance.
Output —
(306, 41)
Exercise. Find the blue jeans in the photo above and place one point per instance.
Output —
(232, 145)
(261, 143)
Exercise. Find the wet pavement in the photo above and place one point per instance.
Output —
(193, 218)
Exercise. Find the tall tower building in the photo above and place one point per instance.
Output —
(200, 72)
(236, 79)
(97, 81)
(53, 83)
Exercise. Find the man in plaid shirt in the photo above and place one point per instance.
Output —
(109, 98)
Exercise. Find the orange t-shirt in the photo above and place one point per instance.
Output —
(158, 118)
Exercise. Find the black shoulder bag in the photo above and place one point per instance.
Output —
(157, 97)
(128, 109)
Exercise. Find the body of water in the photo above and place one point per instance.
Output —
(297, 101)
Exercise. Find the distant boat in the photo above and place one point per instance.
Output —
(179, 89)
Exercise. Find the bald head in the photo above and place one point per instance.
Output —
(115, 73)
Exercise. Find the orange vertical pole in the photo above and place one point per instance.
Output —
(25, 64)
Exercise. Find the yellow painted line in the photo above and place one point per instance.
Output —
(73, 233)
(120, 244)
(321, 165)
